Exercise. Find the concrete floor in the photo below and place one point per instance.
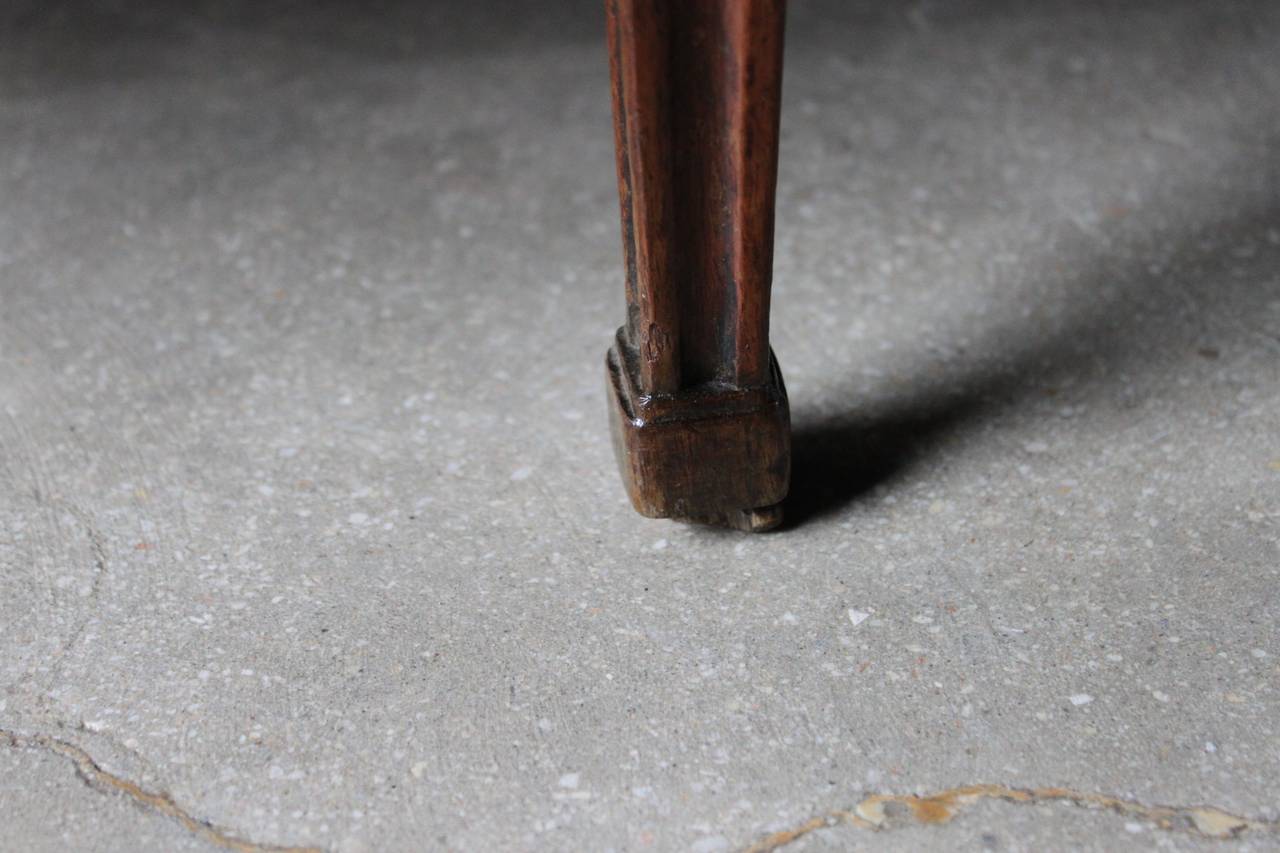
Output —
(310, 532)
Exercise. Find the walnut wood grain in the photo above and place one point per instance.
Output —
(700, 412)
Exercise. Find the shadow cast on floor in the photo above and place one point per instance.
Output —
(1137, 309)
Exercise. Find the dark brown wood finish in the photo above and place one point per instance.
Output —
(700, 414)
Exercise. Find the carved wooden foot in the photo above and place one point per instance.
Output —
(699, 410)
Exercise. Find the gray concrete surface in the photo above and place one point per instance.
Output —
(309, 527)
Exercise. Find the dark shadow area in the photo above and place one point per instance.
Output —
(836, 461)
(98, 42)
(1137, 309)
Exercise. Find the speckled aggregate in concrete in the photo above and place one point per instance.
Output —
(308, 515)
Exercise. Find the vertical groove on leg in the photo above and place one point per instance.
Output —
(752, 111)
(639, 41)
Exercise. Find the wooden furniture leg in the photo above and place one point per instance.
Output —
(699, 412)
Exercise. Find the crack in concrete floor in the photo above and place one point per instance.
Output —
(878, 812)
(898, 811)
(104, 781)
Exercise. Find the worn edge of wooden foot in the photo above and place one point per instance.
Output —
(713, 455)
